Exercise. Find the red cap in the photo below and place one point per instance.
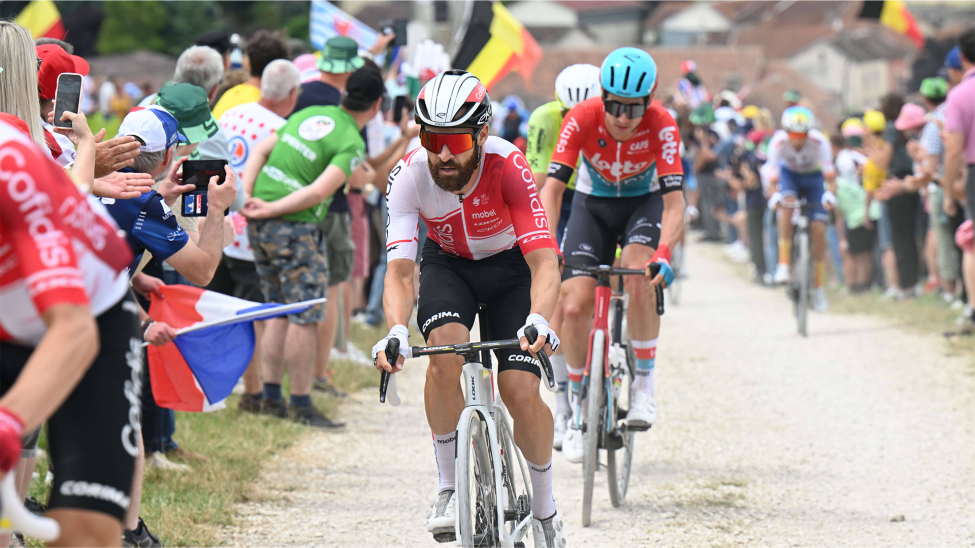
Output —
(16, 122)
(55, 62)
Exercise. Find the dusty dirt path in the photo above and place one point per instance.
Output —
(764, 439)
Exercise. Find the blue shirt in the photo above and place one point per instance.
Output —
(148, 224)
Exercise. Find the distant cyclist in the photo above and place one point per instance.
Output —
(629, 194)
(573, 85)
(488, 242)
(800, 160)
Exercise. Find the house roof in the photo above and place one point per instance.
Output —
(872, 42)
(785, 28)
(585, 6)
(715, 65)
(783, 41)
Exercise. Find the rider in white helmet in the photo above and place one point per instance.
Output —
(487, 243)
(575, 84)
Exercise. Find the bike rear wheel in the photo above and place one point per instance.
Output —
(595, 414)
(803, 280)
(619, 461)
(476, 496)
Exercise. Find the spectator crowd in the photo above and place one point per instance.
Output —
(901, 224)
(309, 141)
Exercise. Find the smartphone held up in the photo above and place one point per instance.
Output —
(67, 98)
(199, 173)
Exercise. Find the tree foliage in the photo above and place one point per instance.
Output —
(171, 27)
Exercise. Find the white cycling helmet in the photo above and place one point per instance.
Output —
(577, 83)
(798, 119)
(454, 98)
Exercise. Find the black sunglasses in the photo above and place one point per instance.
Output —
(616, 109)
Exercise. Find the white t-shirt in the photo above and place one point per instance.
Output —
(245, 126)
(68, 151)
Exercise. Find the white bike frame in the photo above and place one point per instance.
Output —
(481, 397)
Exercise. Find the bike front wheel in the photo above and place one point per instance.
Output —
(595, 414)
(476, 496)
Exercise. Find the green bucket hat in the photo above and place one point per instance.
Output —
(340, 55)
(191, 108)
(934, 88)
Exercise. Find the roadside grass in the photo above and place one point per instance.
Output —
(187, 509)
(926, 313)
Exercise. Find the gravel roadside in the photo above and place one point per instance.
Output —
(862, 434)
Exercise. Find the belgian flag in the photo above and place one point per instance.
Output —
(42, 19)
(895, 15)
(495, 44)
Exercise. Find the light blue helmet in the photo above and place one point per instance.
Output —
(629, 72)
(798, 119)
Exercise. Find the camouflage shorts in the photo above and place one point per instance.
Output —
(290, 264)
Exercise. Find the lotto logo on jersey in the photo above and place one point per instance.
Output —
(617, 169)
(238, 152)
(668, 143)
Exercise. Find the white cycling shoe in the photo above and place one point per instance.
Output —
(820, 304)
(440, 518)
(549, 533)
(782, 274)
(561, 425)
(573, 445)
(643, 410)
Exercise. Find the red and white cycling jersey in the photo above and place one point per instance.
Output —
(501, 210)
(56, 245)
(613, 169)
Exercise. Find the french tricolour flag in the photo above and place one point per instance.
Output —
(215, 342)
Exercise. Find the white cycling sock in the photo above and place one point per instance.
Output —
(562, 378)
(444, 448)
(543, 502)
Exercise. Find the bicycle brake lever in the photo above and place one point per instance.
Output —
(660, 300)
(658, 290)
(392, 353)
(545, 365)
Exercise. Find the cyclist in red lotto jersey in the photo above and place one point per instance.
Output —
(69, 338)
(487, 242)
(628, 193)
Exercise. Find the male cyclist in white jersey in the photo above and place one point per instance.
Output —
(800, 159)
(575, 84)
(488, 243)
(629, 193)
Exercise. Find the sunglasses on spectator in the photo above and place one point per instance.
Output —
(617, 109)
(456, 143)
(797, 135)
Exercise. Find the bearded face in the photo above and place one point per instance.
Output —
(453, 174)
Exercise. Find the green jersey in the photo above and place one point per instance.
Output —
(543, 134)
(312, 139)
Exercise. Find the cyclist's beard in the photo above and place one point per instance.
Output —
(457, 180)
